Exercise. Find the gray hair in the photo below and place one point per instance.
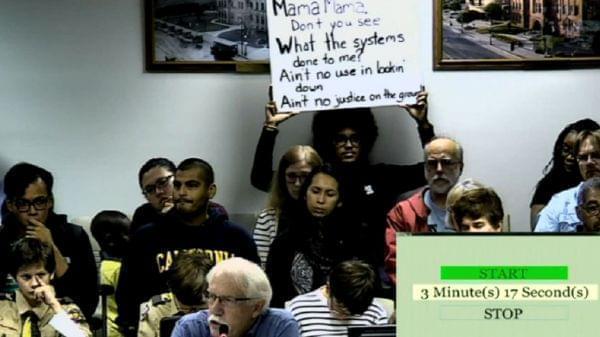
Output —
(590, 184)
(247, 275)
(458, 148)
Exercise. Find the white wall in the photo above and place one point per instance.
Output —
(74, 98)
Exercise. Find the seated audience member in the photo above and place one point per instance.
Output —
(30, 205)
(560, 214)
(187, 227)
(33, 309)
(346, 300)
(473, 207)
(187, 283)
(425, 211)
(238, 298)
(344, 138)
(111, 231)
(293, 168)
(561, 172)
(588, 205)
(313, 241)
(156, 181)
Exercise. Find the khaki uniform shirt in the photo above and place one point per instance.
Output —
(152, 312)
(13, 305)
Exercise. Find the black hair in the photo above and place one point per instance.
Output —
(21, 175)
(30, 251)
(554, 166)
(327, 169)
(209, 175)
(352, 284)
(326, 124)
(187, 277)
(155, 162)
(111, 230)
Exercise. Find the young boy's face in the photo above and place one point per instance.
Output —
(31, 277)
(478, 225)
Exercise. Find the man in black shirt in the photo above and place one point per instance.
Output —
(156, 181)
(189, 226)
(29, 203)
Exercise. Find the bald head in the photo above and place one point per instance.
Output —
(446, 145)
(443, 164)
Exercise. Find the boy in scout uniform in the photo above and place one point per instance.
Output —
(33, 309)
(186, 280)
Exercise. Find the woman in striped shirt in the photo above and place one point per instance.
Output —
(294, 167)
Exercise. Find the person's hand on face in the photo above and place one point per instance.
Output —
(45, 293)
(39, 231)
(167, 206)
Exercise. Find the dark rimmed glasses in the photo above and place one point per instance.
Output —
(39, 204)
(161, 183)
(211, 298)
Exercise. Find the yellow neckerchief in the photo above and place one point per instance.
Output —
(41, 311)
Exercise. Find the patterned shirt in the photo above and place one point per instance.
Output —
(264, 233)
(315, 318)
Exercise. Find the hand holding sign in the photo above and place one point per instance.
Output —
(273, 117)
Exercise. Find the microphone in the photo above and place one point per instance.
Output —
(223, 330)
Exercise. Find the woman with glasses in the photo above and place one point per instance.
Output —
(312, 241)
(293, 168)
(561, 172)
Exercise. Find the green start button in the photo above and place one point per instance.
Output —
(504, 273)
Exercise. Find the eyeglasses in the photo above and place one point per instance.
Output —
(565, 151)
(593, 209)
(159, 183)
(292, 177)
(593, 157)
(39, 204)
(432, 164)
(341, 140)
(225, 300)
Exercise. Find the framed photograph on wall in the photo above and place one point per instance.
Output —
(206, 35)
(516, 34)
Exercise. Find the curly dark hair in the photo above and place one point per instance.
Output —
(578, 126)
(326, 124)
(555, 171)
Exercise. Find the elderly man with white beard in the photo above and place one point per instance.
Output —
(425, 211)
(238, 297)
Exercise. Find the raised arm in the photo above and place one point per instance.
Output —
(262, 168)
(419, 112)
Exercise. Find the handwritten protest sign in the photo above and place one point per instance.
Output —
(334, 54)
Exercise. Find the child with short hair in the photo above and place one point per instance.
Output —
(33, 309)
(111, 230)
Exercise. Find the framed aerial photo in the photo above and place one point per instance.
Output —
(516, 34)
(206, 35)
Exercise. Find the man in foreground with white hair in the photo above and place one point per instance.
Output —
(238, 299)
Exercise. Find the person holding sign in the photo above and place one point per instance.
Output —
(345, 138)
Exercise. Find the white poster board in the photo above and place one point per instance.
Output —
(334, 54)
